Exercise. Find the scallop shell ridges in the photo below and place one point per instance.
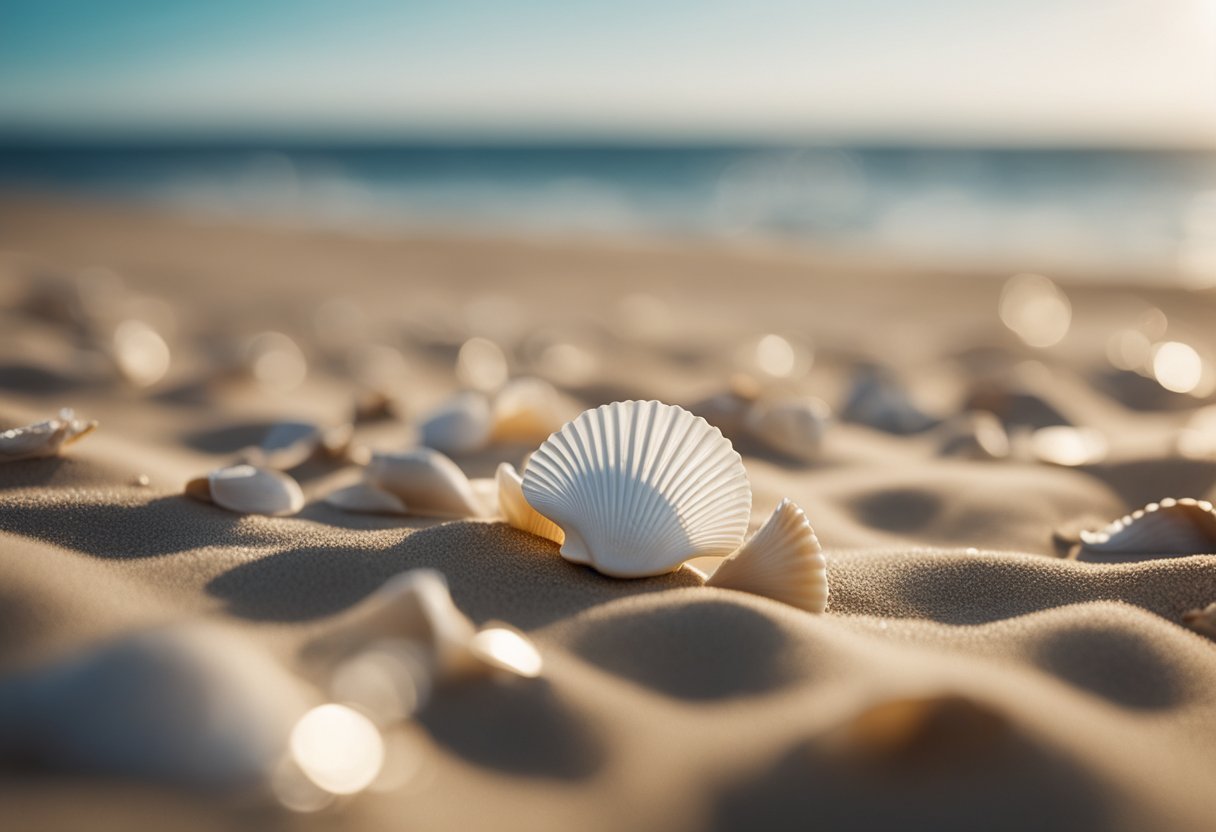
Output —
(1171, 527)
(640, 487)
(782, 561)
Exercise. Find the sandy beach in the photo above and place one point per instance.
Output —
(966, 675)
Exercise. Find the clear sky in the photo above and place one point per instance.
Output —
(1006, 71)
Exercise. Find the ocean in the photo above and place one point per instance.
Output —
(1104, 213)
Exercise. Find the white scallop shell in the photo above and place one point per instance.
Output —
(782, 561)
(426, 481)
(518, 512)
(460, 425)
(43, 438)
(1171, 527)
(793, 427)
(247, 489)
(639, 488)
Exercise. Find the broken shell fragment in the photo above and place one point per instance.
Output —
(417, 606)
(639, 487)
(43, 439)
(1202, 621)
(529, 410)
(793, 427)
(460, 425)
(976, 434)
(426, 481)
(518, 513)
(247, 489)
(782, 561)
(1171, 527)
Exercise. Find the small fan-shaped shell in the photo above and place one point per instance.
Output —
(1171, 527)
(976, 434)
(460, 425)
(43, 438)
(782, 561)
(793, 427)
(426, 481)
(640, 487)
(246, 489)
(1202, 621)
(518, 512)
(528, 410)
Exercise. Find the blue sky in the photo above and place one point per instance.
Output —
(990, 70)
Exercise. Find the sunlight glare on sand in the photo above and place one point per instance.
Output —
(1069, 446)
(1177, 367)
(1035, 309)
(141, 354)
(337, 748)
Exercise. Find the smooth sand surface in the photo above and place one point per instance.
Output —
(964, 677)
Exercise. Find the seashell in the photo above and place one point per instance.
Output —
(285, 446)
(247, 489)
(192, 705)
(640, 487)
(976, 434)
(1171, 527)
(426, 481)
(460, 425)
(528, 410)
(1202, 621)
(879, 401)
(518, 512)
(793, 427)
(417, 606)
(782, 561)
(43, 438)
(363, 498)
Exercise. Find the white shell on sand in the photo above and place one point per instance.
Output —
(782, 561)
(43, 438)
(285, 445)
(460, 425)
(1171, 527)
(518, 512)
(793, 427)
(417, 606)
(1202, 621)
(528, 410)
(976, 434)
(426, 481)
(363, 498)
(190, 705)
(247, 489)
(639, 488)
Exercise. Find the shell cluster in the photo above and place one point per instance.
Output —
(636, 488)
(523, 410)
(43, 439)
(418, 482)
(791, 426)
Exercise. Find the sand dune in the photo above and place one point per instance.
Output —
(964, 677)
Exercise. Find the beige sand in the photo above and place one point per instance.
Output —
(666, 705)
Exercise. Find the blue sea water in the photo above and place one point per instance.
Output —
(1141, 212)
